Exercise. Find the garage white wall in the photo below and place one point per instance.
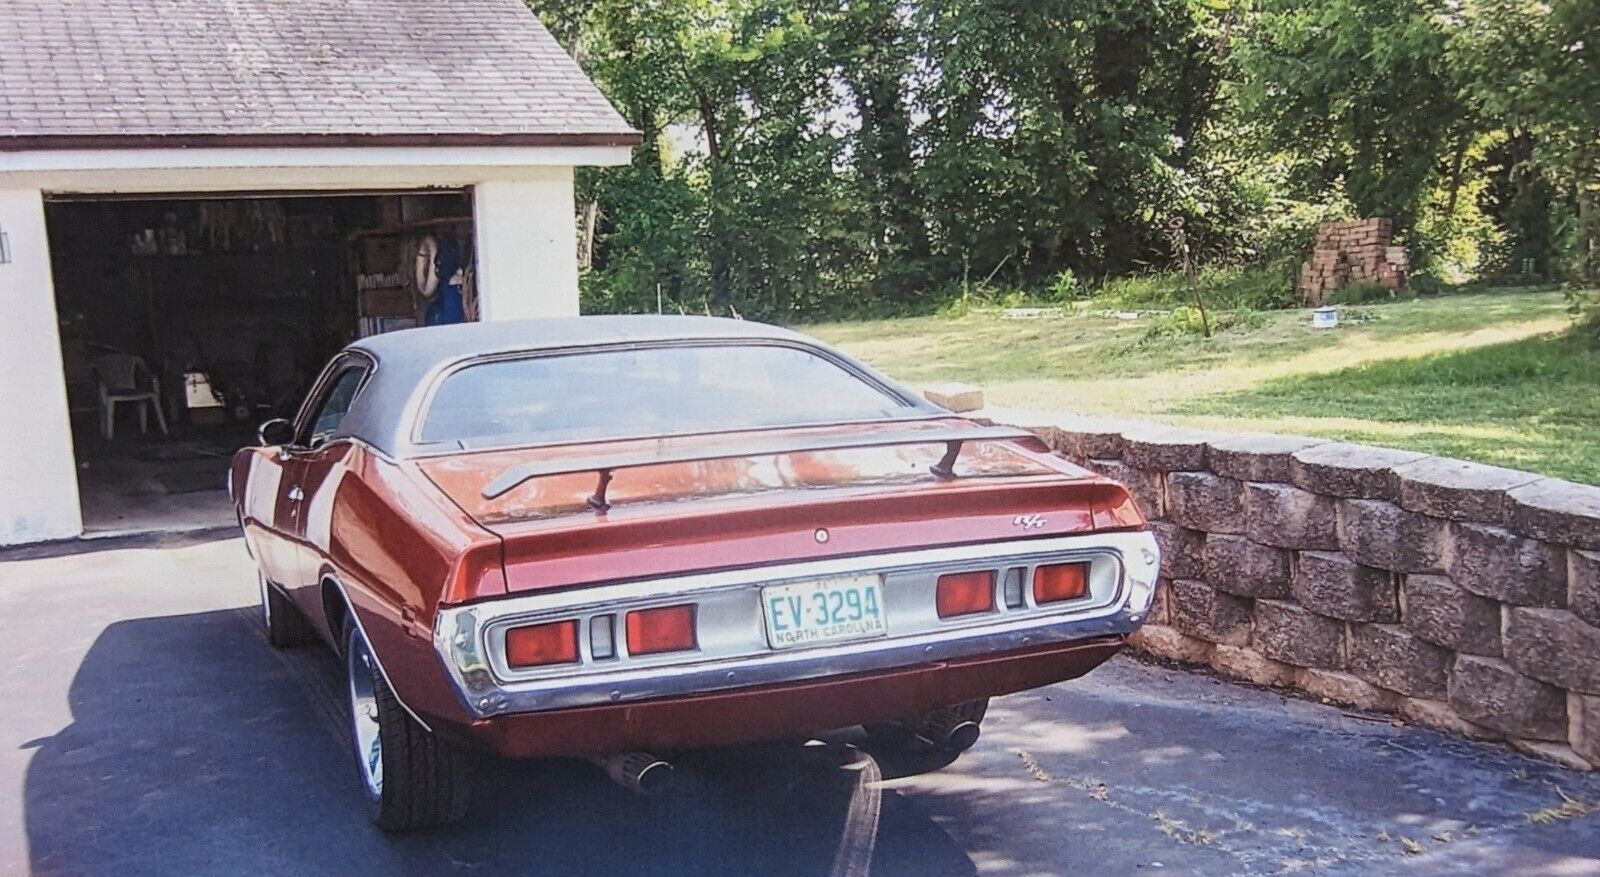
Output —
(527, 247)
(38, 479)
(526, 261)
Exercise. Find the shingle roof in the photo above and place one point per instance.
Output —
(290, 72)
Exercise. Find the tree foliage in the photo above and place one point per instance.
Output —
(1363, 92)
(806, 158)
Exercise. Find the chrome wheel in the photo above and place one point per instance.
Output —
(427, 779)
(365, 731)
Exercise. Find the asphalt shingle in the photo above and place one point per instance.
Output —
(290, 71)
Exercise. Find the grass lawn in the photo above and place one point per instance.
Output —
(1484, 377)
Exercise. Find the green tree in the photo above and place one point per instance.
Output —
(874, 44)
(1057, 129)
(1536, 66)
(1365, 94)
(804, 158)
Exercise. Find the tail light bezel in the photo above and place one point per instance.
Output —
(1037, 582)
(971, 593)
(722, 621)
(1015, 595)
(635, 633)
(565, 632)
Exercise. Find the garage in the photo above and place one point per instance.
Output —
(187, 319)
(201, 201)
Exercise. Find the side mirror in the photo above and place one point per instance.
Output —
(274, 432)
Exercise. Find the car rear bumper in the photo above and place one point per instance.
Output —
(1124, 567)
(774, 712)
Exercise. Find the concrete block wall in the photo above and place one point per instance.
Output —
(1457, 595)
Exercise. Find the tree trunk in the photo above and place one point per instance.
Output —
(586, 235)
(647, 157)
(1458, 163)
(717, 243)
(883, 156)
(1588, 234)
(1119, 55)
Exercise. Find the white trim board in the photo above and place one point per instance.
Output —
(309, 169)
(314, 157)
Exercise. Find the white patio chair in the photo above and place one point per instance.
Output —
(125, 378)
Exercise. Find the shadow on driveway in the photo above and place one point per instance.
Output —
(193, 748)
(197, 749)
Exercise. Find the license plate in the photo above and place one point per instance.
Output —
(823, 611)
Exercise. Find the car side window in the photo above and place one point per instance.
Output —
(333, 406)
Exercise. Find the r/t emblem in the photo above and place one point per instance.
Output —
(1029, 522)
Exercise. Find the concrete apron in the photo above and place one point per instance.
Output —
(151, 730)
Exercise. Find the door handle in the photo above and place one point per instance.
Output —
(296, 494)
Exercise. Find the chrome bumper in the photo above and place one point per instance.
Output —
(734, 654)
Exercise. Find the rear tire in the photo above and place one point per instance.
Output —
(285, 624)
(411, 778)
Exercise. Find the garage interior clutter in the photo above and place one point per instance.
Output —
(187, 321)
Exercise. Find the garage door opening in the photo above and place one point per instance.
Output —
(186, 321)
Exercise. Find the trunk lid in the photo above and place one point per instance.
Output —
(747, 511)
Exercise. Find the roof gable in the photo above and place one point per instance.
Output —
(86, 73)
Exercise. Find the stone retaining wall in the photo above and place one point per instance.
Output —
(1460, 596)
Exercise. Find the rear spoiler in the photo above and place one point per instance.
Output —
(606, 464)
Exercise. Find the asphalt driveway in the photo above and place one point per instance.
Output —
(149, 729)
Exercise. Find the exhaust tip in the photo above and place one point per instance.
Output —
(638, 772)
(946, 729)
(962, 737)
(653, 779)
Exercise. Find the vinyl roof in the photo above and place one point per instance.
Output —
(432, 346)
(152, 73)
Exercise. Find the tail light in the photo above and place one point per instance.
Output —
(541, 644)
(1054, 584)
(668, 629)
(965, 593)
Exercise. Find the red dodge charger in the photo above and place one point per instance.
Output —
(620, 537)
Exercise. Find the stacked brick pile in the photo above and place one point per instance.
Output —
(1460, 596)
(1360, 251)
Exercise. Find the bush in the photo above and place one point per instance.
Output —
(1585, 310)
(1175, 323)
(1164, 290)
(1362, 292)
(1067, 287)
(1285, 229)
(1259, 288)
(1426, 285)
(1587, 328)
(1185, 321)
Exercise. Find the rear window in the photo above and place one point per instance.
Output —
(647, 392)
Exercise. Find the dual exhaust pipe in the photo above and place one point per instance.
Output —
(639, 772)
(952, 729)
(946, 729)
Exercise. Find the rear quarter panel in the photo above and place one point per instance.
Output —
(396, 546)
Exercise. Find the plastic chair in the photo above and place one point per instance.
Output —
(125, 378)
